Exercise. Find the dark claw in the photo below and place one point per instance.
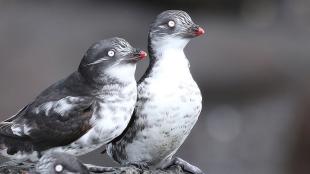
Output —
(185, 166)
(139, 165)
(98, 169)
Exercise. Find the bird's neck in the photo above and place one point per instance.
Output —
(167, 58)
(123, 73)
(115, 75)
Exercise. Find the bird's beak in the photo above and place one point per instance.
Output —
(135, 56)
(197, 31)
(140, 54)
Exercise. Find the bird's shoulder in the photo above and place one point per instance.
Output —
(73, 85)
(63, 96)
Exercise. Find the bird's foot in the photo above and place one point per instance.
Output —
(184, 165)
(139, 165)
(98, 169)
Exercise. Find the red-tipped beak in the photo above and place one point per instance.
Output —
(142, 55)
(200, 31)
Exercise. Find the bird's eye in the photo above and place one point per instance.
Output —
(59, 168)
(111, 53)
(171, 24)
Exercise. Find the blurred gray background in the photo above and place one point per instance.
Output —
(253, 70)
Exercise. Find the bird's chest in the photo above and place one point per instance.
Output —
(171, 103)
(169, 114)
(113, 110)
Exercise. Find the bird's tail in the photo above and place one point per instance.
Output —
(10, 142)
(4, 131)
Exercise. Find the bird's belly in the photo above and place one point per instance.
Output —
(165, 129)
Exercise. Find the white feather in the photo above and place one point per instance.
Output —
(16, 129)
(122, 72)
(27, 129)
(61, 106)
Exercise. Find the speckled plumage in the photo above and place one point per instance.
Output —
(80, 113)
(169, 100)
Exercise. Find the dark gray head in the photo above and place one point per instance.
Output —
(108, 55)
(174, 26)
(60, 163)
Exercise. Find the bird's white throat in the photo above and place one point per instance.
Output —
(169, 42)
(170, 57)
(123, 72)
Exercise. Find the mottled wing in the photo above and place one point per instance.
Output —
(50, 124)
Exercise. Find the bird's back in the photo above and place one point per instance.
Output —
(26, 132)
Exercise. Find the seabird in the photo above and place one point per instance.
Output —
(80, 113)
(169, 100)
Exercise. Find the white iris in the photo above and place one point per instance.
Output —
(171, 23)
(59, 168)
(111, 53)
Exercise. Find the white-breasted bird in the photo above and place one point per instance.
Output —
(81, 112)
(169, 100)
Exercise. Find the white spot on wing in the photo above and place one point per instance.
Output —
(27, 129)
(62, 106)
(16, 129)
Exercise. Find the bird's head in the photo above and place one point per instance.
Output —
(59, 163)
(174, 27)
(113, 57)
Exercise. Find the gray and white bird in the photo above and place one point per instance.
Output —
(80, 113)
(59, 163)
(169, 100)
